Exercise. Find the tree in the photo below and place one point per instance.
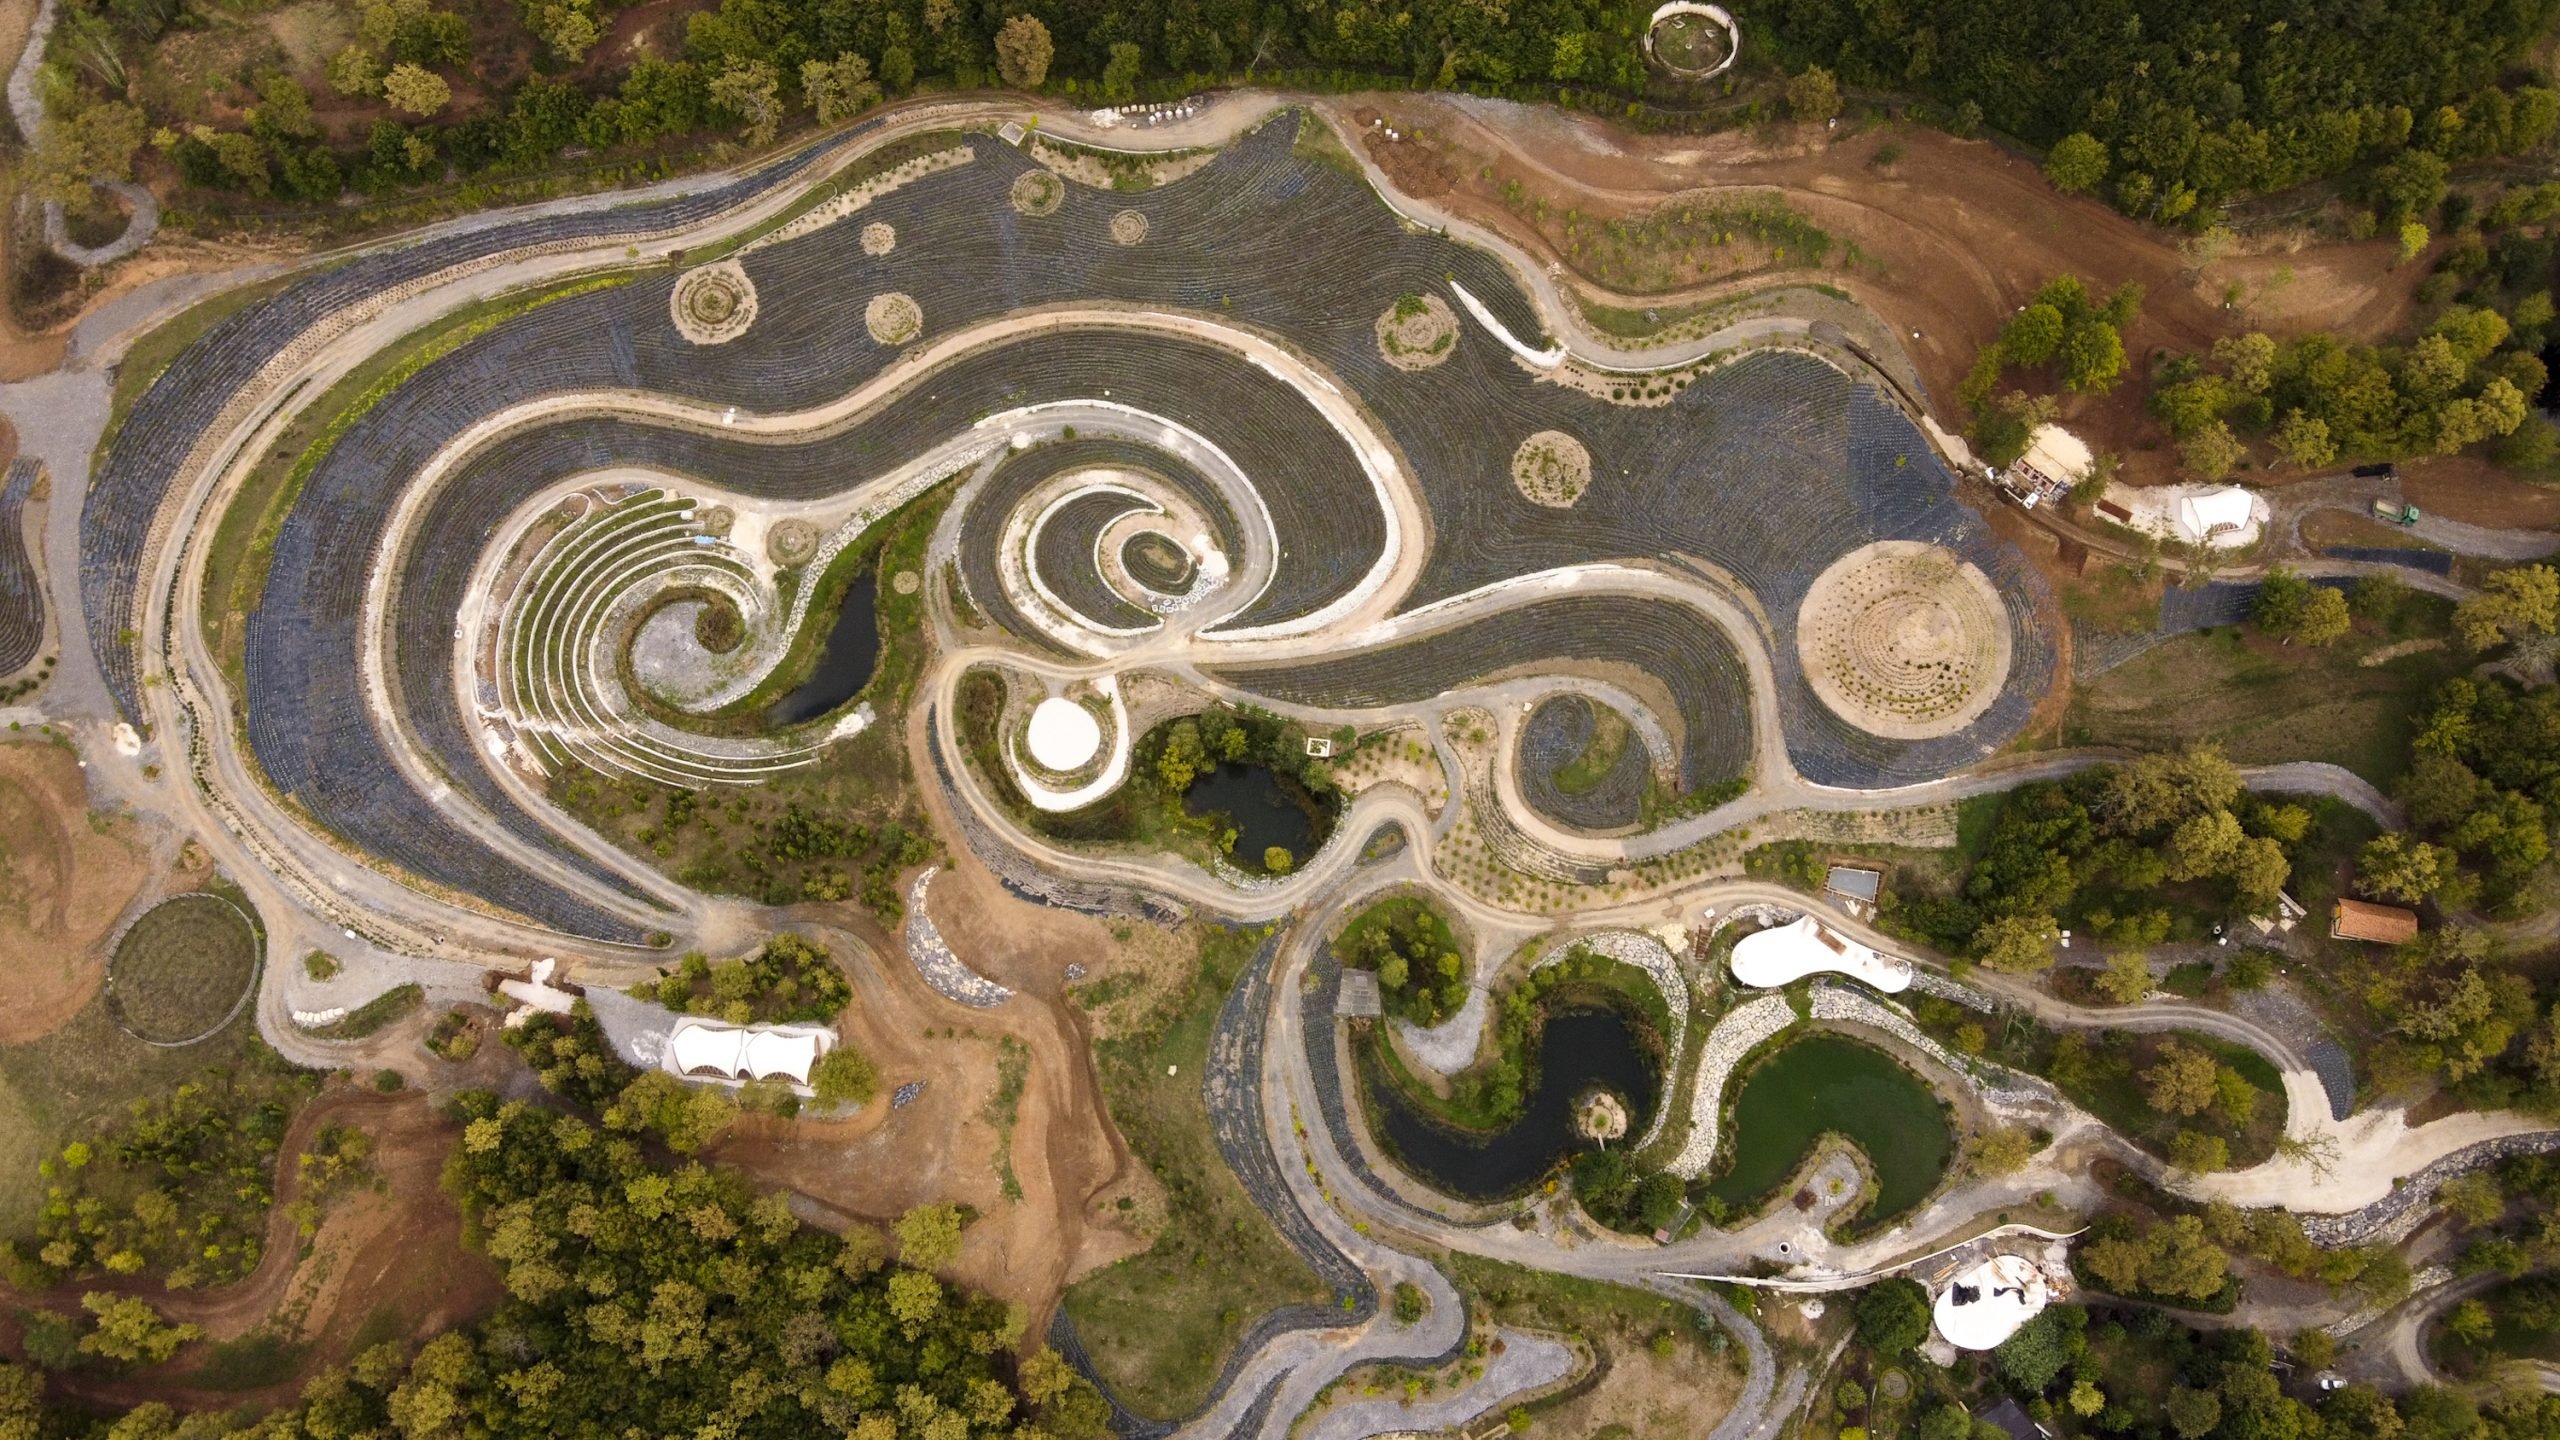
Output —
(1120, 73)
(129, 1330)
(2398, 866)
(2212, 452)
(2043, 1348)
(1893, 1317)
(2325, 619)
(844, 1074)
(97, 143)
(2282, 596)
(2471, 1323)
(2248, 359)
(1277, 859)
(1023, 52)
(1813, 95)
(2203, 845)
(415, 90)
(2193, 1413)
(2004, 1151)
(569, 28)
(2092, 357)
(2181, 1081)
(2017, 944)
(2127, 977)
(928, 1236)
(839, 89)
(2086, 1398)
(2513, 604)
(2077, 163)
(751, 90)
(2304, 440)
(2182, 1262)
(355, 71)
(2413, 240)
(2032, 336)
(2473, 1199)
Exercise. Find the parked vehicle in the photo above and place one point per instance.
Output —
(2397, 512)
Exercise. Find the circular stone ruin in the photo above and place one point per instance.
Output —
(714, 304)
(1128, 228)
(1692, 40)
(1417, 332)
(1037, 192)
(791, 542)
(879, 238)
(1552, 469)
(1904, 639)
(1063, 737)
(894, 318)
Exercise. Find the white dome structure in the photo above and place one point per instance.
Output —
(1064, 735)
(1991, 1302)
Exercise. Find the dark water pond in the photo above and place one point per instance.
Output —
(1824, 1084)
(1264, 809)
(852, 653)
(1580, 1049)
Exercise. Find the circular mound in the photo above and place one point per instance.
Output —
(1904, 639)
(183, 970)
(1417, 332)
(906, 582)
(715, 519)
(1582, 764)
(1064, 736)
(791, 542)
(879, 238)
(713, 305)
(1552, 469)
(1600, 1116)
(1128, 228)
(1155, 560)
(1037, 192)
(894, 318)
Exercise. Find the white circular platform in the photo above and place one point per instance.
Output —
(1064, 735)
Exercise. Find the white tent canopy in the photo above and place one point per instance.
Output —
(703, 1049)
(1990, 1302)
(2229, 508)
(1771, 958)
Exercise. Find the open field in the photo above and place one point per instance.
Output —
(1160, 1324)
(2265, 702)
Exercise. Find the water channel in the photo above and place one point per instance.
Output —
(852, 653)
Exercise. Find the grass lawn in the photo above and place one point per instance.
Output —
(1159, 1325)
(1609, 735)
(2267, 703)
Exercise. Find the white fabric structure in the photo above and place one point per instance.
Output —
(1064, 736)
(1990, 1302)
(707, 1050)
(2223, 516)
(1768, 959)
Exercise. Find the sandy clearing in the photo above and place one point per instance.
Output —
(65, 878)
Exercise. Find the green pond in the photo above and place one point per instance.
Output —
(1824, 1084)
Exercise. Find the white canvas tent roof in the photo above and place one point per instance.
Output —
(2200, 515)
(746, 1052)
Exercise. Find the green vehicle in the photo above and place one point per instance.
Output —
(2396, 512)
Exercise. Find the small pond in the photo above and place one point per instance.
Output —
(1825, 1084)
(853, 651)
(1579, 1049)
(1264, 809)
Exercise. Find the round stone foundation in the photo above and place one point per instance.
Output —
(1904, 639)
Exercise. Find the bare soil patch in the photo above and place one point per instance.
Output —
(1552, 469)
(894, 318)
(64, 879)
(1418, 332)
(2476, 492)
(951, 1143)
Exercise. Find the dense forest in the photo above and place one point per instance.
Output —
(2167, 108)
(2194, 102)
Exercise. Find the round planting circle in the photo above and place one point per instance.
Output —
(1037, 192)
(791, 542)
(1904, 639)
(879, 238)
(714, 304)
(1692, 40)
(1417, 332)
(906, 582)
(1064, 735)
(1552, 469)
(183, 970)
(1158, 561)
(715, 519)
(1128, 228)
(893, 319)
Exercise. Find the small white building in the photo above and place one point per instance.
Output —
(2055, 461)
(1991, 1302)
(1767, 959)
(699, 1049)
(2225, 517)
